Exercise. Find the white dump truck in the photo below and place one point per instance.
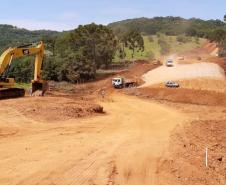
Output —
(120, 82)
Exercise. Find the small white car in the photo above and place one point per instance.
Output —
(169, 63)
(172, 84)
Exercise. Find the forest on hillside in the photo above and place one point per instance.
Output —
(12, 36)
(77, 54)
(168, 25)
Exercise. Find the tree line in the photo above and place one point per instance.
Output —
(168, 25)
(12, 36)
(219, 36)
(77, 55)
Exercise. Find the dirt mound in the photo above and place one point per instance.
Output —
(190, 96)
(186, 164)
(53, 108)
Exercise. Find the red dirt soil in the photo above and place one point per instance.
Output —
(186, 164)
(190, 96)
(135, 142)
(73, 101)
(201, 92)
(53, 108)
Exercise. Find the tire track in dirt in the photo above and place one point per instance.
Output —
(121, 147)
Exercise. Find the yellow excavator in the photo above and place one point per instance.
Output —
(7, 85)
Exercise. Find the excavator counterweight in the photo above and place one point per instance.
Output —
(6, 93)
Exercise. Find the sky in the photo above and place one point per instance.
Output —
(68, 14)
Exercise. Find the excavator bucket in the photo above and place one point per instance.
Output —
(40, 87)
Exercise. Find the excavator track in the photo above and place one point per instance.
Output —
(6, 93)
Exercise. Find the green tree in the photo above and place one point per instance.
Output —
(122, 53)
(218, 35)
(134, 40)
(50, 69)
(22, 69)
(96, 43)
(49, 43)
(81, 52)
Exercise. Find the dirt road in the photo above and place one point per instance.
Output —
(184, 72)
(121, 147)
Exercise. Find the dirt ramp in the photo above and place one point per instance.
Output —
(188, 96)
(183, 71)
(199, 84)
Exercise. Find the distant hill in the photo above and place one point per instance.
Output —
(13, 36)
(168, 25)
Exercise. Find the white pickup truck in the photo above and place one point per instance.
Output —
(121, 82)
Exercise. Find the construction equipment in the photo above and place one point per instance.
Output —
(121, 82)
(7, 89)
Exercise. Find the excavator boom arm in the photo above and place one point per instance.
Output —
(13, 53)
(18, 52)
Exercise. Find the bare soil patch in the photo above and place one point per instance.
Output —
(53, 108)
(188, 96)
(199, 84)
(186, 162)
(183, 72)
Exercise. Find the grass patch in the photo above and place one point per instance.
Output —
(25, 86)
(153, 50)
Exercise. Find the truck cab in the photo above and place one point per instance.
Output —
(121, 82)
(117, 82)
